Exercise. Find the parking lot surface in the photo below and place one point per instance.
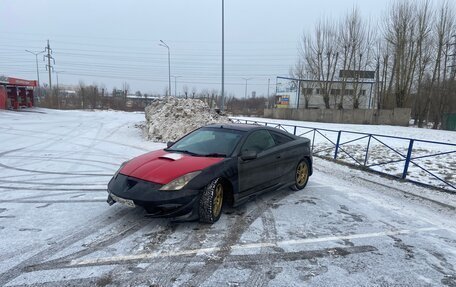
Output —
(345, 228)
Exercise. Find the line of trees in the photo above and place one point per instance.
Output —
(411, 49)
(93, 96)
(233, 105)
(96, 96)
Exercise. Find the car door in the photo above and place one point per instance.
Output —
(287, 161)
(262, 172)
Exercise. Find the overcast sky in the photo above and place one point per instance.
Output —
(109, 42)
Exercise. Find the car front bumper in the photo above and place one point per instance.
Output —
(159, 203)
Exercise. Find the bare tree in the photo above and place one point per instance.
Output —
(356, 41)
(194, 90)
(82, 94)
(381, 72)
(319, 52)
(214, 99)
(423, 57)
(400, 33)
(351, 34)
(185, 90)
(444, 29)
(301, 71)
(166, 91)
(411, 57)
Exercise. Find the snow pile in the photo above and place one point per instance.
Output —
(171, 118)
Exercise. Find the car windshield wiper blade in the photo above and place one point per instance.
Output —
(214, 154)
(183, 151)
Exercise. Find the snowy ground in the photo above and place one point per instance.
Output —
(385, 154)
(346, 228)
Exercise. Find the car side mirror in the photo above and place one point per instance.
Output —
(249, 155)
(168, 144)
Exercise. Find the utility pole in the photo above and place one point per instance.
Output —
(222, 105)
(58, 87)
(175, 84)
(49, 68)
(245, 93)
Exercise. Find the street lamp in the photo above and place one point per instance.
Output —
(222, 106)
(246, 79)
(163, 44)
(175, 84)
(37, 71)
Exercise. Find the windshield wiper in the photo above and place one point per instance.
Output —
(183, 151)
(214, 154)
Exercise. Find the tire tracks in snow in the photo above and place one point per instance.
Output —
(74, 236)
(131, 227)
(120, 275)
(52, 172)
(232, 236)
(170, 269)
(25, 182)
(261, 273)
(173, 267)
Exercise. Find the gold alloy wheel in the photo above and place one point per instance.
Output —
(302, 173)
(218, 199)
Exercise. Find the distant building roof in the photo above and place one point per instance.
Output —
(17, 82)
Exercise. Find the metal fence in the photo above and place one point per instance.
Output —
(425, 162)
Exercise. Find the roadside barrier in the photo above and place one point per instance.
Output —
(425, 162)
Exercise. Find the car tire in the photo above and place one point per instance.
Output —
(301, 175)
(211, 202)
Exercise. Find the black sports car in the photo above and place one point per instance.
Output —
(214, 165)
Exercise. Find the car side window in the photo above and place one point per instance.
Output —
(258, 141)
(280, 138)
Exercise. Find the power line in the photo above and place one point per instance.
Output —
(195, 65)
(162, 81)
(136, 49)
(151, 41)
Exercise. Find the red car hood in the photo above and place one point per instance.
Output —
(162, 167)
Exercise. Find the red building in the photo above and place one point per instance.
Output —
(16, 93)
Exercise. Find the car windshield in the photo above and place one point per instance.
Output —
(217, 142)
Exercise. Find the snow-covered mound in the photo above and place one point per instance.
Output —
(171, 118)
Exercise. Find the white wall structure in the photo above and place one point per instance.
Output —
(344, 92)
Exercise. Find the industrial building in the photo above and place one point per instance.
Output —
(359, 85)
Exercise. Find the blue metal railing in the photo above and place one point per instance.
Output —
(410, 156)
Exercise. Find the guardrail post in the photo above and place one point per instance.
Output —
(313, 139)
(294, 131)
(367, 150)
(407, 160)
(337, 144)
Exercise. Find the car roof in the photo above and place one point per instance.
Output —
(239, 127)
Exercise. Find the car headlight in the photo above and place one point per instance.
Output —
(180, 182)
(121, 166)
